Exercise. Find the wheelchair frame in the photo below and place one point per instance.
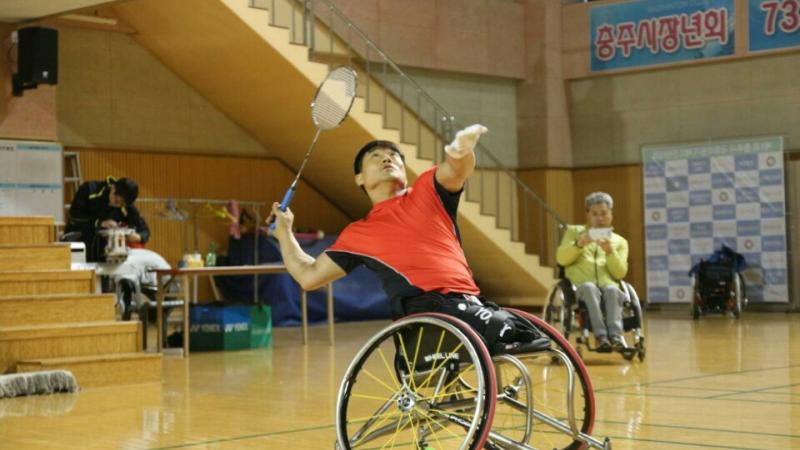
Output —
(563, 308)
(458, 395)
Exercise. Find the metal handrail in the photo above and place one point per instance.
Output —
(442, 124)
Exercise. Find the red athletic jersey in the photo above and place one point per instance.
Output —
(411, 242)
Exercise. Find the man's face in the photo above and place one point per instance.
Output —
(114, 200)
(381, 165)
(599, 216)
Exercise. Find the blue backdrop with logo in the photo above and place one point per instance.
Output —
(699, 197)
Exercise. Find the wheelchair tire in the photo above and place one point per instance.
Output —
(434, 403)
(641, 349)
(738, 284)
(584, 395)
(558, 312)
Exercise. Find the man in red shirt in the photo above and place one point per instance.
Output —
(410, 239)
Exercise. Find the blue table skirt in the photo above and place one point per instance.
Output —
(358, 296)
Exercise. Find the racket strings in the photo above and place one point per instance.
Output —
(334, 99)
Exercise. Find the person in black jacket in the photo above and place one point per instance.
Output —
(105, 204)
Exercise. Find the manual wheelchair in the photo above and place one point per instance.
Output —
(717, 287)
(427, 381)
(569, 316)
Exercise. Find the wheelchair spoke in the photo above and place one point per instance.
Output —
(441, 426)
(379, 381)
(446, 394)
(404, 353)
(379, 429)
(431, 425)
(389, 371)
(413, 428)
(416, 348)
(435, 368)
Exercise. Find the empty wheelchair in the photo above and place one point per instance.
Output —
(427, 381)
(566, 313)
(717, 287)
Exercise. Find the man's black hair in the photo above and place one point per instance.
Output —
(372, 146)
(127, 189)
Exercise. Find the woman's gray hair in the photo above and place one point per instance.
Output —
(596, 198)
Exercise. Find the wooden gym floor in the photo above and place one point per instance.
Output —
(717, 383)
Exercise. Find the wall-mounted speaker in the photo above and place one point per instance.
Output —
(37, 58)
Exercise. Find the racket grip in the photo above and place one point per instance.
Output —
(287, 198)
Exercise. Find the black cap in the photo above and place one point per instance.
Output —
(127, 189)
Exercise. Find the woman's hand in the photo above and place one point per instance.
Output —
(605, 244)
(583, 240)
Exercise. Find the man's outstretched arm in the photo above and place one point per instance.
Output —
(459, 161)
(311, 273)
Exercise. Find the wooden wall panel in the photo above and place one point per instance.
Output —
(166, 175)
(554, 186)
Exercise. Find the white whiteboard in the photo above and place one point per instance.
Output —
(31, 179)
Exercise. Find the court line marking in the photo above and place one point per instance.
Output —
(696, 377)
(751, 391)
(717, 430)
(245, 437)
(603, 390)
(299, 430)
(693, 397)
(628, 438)
(730, 391)
(685, 444)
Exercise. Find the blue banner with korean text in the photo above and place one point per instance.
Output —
(774, 24)
(699, 197)
(648, 32)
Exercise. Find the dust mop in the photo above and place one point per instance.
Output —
(37, 383)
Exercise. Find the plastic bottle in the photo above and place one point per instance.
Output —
(211, 256)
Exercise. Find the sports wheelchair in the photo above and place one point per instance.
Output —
(717, 287)
(569, 316)
(427, 381)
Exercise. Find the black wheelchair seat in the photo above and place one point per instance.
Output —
(535, 346)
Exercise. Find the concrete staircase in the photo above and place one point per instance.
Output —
(50, 317)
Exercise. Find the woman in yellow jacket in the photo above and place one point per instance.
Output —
(595, 259)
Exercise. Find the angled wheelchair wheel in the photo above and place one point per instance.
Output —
(552, 402)
(558, 311)
(738, 295)
(425, 381)
(697, 299)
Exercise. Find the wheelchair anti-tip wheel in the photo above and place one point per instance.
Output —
(425, 381)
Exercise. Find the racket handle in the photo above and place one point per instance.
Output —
(287, 198)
